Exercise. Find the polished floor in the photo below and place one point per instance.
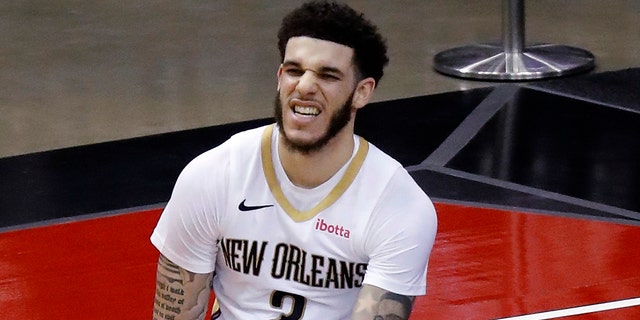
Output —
(537, 183)
(80, 72)
(486, 264)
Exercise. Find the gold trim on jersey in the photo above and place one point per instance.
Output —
(215, 309)
(336, 192)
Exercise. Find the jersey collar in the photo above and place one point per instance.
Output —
(337, 191)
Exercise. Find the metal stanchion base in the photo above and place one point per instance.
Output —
(490, 62)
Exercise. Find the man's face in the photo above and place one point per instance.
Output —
(316, 83)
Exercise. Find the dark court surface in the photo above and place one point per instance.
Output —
(509, 146)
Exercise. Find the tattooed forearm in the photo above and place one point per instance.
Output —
(379, 304)
(180, 294)
(394, 307)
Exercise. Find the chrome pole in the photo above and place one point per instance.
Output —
(513, 60)
(513, 25)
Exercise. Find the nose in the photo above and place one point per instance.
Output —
(307, 83)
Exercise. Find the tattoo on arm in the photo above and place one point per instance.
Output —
(379, 304)
(180, 294)
(394, 307)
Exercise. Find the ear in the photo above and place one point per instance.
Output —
(279, 73)
(363, 92)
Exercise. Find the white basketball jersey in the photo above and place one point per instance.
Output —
(283, 252)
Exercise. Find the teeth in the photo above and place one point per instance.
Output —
(308, 111)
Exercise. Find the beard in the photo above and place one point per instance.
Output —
(338, 121)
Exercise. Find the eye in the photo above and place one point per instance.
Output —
(294, 72)
(329, 76)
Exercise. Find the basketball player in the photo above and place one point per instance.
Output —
(301, 219)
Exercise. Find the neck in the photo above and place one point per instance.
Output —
(309, 170)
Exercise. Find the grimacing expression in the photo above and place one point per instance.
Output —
(339, 120)
(318, 93)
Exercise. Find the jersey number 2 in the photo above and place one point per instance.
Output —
(298, 304)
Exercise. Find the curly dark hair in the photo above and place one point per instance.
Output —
(341, 24)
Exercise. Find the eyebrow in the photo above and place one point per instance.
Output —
(323, 69)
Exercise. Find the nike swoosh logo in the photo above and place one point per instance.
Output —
(243, 207)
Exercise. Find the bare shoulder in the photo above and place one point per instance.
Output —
(374, 303)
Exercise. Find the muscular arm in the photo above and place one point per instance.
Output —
(180, 294)
(374, 303)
